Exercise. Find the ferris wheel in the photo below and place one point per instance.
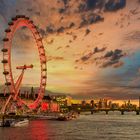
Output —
(14, 86)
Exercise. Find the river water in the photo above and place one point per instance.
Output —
(87, 127)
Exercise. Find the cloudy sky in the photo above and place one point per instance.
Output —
(92, 46)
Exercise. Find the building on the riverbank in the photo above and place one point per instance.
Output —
(56, 103)
(47, 104)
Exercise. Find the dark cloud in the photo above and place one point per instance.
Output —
(109, 63)
(90, 19)
(72, 24)
(110, 5)
(65, 2)
(97, 50)
(108, 54)
(42, 32)
(86, 57)
(100, 33)
(61, 10)
(112, 58)
(114, 54)
(74, 37)
(50, 29)
(87, 31)
(90, 54)
(113, 5)
(117, 54)
(91, 4)
(135, 11)
(61, 29)
(67, 46)
(81, 7)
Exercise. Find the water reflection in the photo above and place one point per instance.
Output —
(36, 130)
(39, 130)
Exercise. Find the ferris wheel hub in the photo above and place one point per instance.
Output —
(25, 67)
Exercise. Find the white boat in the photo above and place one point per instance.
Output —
(20, 123)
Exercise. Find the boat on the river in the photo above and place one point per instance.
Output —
(19, 123)
(67, 117)
(63, 118)
(14, 123)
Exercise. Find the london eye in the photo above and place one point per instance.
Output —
(14, 86)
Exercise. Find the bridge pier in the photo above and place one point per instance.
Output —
(137, 112)
(79, 112)
(106, 112)
(91, 112)
(122, 112)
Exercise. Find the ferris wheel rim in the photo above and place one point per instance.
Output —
(14, 25)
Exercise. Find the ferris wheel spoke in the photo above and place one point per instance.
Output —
(19, 80)
(18, 84)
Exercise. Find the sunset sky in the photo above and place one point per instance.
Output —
(92, 46)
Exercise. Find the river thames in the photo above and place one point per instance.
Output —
(87, 127)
